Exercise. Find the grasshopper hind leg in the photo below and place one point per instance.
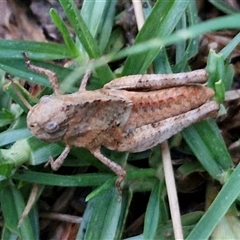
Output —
(150, 135)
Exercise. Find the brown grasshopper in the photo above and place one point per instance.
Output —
(129, 114)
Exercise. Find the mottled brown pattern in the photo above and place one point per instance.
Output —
(120, 116)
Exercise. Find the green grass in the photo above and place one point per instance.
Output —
(105, 216)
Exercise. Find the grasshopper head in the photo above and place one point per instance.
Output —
(47, 119)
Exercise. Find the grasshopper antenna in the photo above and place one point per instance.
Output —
(52, 77)
(25, 102)
(86, 77)
(84, 81)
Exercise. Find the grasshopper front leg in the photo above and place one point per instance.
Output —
(57, 163)
(52, 77)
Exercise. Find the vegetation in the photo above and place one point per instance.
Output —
(106, 216)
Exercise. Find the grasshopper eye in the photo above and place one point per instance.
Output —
(45, 99)
(51, 127)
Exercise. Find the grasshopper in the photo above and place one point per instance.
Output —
(129, 114)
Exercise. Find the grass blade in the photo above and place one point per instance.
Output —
(155, 26)
(208, 146)
(85, 37)
(218, 208)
